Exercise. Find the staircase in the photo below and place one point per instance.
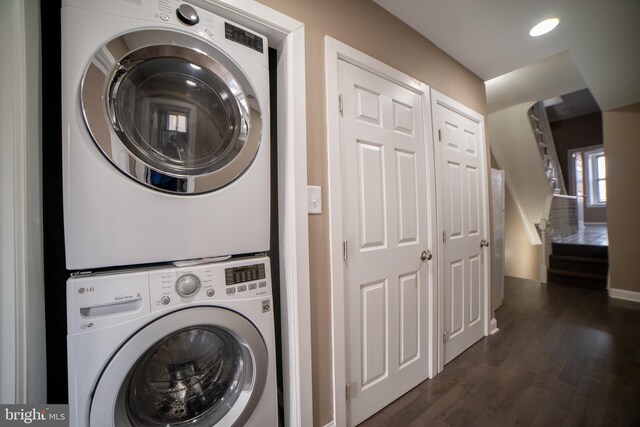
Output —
(544, 138)
(579, 265)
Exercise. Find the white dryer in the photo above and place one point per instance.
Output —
(165, 134)
(173, 346)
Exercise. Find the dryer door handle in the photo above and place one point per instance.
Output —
(121, 70)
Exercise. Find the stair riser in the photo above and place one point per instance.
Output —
(581, 250)
(584, 267)
(564, 280)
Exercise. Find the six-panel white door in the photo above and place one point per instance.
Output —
(461, 197)
(386, 224)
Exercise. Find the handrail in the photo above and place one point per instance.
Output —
(566, 196)
(542, 131)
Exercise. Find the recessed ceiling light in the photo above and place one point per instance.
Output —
(544, 27)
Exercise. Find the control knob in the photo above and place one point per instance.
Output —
(187, 285)
(187, 14)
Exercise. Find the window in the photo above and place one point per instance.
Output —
(177, 122)
(596, 177)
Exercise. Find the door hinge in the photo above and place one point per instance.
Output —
(444, 237)
(439, 134)
(444, 336)
(348, 392)
(344, 249)
(341, 104)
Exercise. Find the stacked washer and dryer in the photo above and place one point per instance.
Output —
(166, 216)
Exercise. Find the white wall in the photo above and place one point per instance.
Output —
(22, 333)
(516, 151)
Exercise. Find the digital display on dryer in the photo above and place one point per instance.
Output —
(238, 35)
(246, 273)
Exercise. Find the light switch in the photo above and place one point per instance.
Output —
(314, 199)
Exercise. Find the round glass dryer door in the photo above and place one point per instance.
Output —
(171, 111)
(182, 370)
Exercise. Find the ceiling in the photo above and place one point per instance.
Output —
(599, 41)
(574, 104)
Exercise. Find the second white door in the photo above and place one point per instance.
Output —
(387, 194)
(462, 193)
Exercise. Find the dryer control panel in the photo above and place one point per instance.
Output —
(212, 27)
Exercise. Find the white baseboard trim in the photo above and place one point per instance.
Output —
(331, 424)
(624, 294)
(493, 327)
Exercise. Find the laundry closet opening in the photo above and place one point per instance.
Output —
(54, 246)
(290, 251)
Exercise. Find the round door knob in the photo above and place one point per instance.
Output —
(187, 14)
(426, 255)
(484, 243)
(187, 285)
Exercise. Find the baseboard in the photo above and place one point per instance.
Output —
(493, 327)
(624, 294)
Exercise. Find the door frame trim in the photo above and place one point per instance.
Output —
(22, 319)
(287, 36)
(438, 98)
(334, 52)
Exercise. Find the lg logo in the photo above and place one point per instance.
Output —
(83, 290)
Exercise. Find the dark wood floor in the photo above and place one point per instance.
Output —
(589, 234)
(564, 356)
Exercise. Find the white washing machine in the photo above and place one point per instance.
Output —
(165, 134)
(173, 346)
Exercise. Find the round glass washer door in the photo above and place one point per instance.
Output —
(171, 111)
(184, 370)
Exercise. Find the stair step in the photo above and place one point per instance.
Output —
(589, 251)
(582, 259)
(588, 280)
(579, 264)
(582, 275)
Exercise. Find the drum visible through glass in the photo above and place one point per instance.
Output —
(194, 375)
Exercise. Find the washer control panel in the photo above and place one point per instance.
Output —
(235, 279)
(245, 278)
(99, 300)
